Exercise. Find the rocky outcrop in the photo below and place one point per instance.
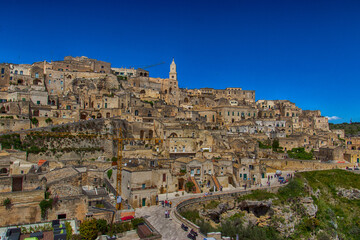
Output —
(258, 208)
(351, 194)
(214, 214)
(309, 206)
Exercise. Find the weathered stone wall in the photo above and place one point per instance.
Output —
(73, 207)
(24, 209)
(300, 165)
(70, 156)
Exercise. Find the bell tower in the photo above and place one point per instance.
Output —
(173, 74)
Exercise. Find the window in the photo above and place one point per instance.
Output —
(24, 99)
(228, 113)
(164, 177)
(61, 82)
(2, 70)
(197, 171)
(16, 71)
(10, 78)
(105, 105)
(38, 102)
(21, 72)
(143, 186)
(36, 75)
(50, 75)
(52, 90)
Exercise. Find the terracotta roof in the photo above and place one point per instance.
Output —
(41, 162)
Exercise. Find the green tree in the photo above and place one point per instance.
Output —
(189, 186)
(88, 229)
(35, 121)
(275, 145)
(49, 121)
(102, 226)
(109, 173)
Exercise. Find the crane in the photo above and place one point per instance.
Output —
(152, 65)
(120, 139)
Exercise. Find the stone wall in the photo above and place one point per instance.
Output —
(70, 156)
(300, 165)
(73, 207)
(25, 207)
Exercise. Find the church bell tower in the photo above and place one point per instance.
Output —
(173, 74)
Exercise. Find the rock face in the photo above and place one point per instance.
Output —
(310, 208)
(214, 214)
(258, 208)
(351, 194)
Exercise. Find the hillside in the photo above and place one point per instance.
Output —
(352, 129)
(314, 205)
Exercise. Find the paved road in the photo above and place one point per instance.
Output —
(170, 228)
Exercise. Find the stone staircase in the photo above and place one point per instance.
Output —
(216, 182)
(197, 188)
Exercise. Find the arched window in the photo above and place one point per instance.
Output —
(136, 112)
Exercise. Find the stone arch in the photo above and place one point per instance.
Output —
(145, 75)
(165, 91)
(99, 115)
(186, 100)
(3, 170)
(107, 115)
(173, 135)
(36, 81)
(20, 81)
(141, 74)
(83, 115)
(2, 110)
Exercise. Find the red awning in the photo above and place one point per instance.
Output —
(127, 218)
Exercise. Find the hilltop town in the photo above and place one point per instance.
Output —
(65, 124)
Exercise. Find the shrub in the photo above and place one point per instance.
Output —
(44, 206)
(211, 205)
(7, 202)
(69, 230)
(102, 226)
(48, 120)
(191, 215)
(88, 229)
(189, 186)
(136, 221)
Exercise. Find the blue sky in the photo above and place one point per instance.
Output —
(304, 51)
